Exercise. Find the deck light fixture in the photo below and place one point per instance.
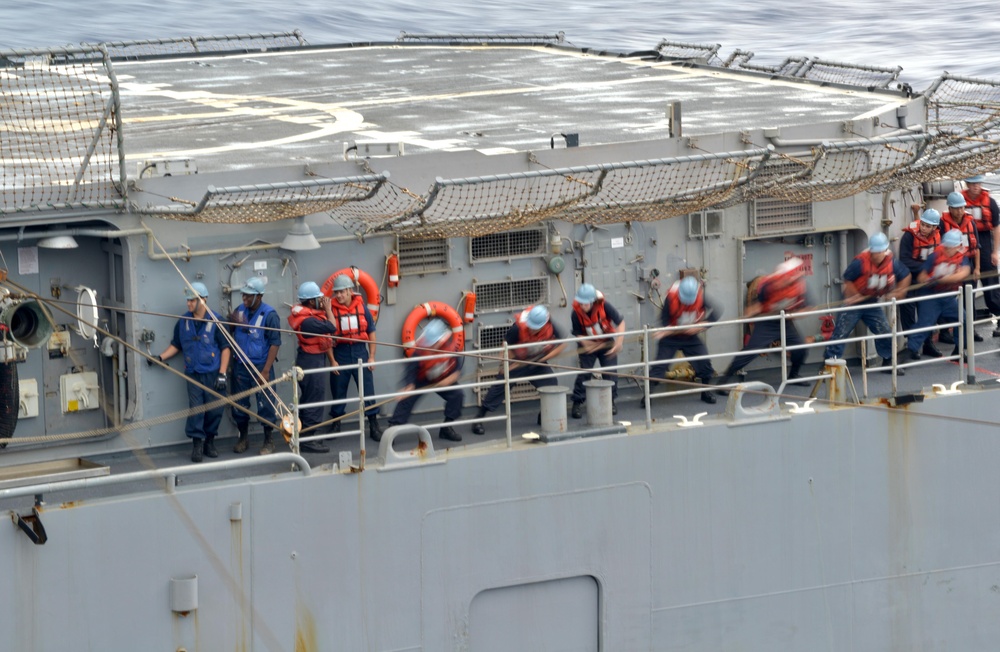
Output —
(300, 237)
(58, 242)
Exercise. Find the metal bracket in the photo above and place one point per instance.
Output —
(32, 526)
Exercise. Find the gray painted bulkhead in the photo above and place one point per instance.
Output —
(818, 532)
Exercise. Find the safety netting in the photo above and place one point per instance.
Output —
(59, 116)
(201, 44)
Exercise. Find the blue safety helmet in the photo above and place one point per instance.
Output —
(978, 178)
(586, 293)
(537, 317)
(309, 290)
(199, 288)
(878, 243)
(342, 282)
(931, 216)
(434, 332)
(955, 200)
(952, 238)
(687, 291)
(254, 285)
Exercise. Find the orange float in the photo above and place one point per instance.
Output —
(427, 310)
(362, 278)
(392, 266)
(469, 306)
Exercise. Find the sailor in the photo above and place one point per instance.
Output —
(944, 271)
(592, 315)
(427, 369)
(918, 242)
(782, 290)
(313, 323)
(533, 327)
(960, 219)
(686, 305)
(257, 338)
(872, 276)
(986, 215)
(200, 338)
(356, 330)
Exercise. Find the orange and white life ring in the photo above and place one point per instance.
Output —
(362, 278)
(425, 311)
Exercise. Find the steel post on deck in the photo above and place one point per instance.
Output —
(599, 401)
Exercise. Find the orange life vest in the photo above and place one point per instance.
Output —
(789, 297)
(527, 336)
(945, 265)
(980, 209)
(923, 247)
(433, 370)
(596, 321)
(875, 280)
(350, 319)
(967, 227)
(309, 343)
(680, 314)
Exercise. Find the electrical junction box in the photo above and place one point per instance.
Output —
(79, 392)
(28, 404)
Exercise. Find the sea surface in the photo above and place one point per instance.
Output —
(926, 38)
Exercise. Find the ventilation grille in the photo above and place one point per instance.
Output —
(423, 256)
(520, 391)
(705, 224)
(507, 245)
(780, 216)
(491, 337)
(511, 295)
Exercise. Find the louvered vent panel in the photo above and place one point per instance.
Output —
(507, 245)
(780, 216)
(511, 295)
(423, 256)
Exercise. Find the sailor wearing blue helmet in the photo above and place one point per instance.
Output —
(918, 242)
(874, 275)
(198, 335)
(594, 316)
(986, 215)
(686, 305)
(944, 271)
(258, 336)
(314, 325)
(533, 328)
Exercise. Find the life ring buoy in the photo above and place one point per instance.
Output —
(362, 278)
(432, 309)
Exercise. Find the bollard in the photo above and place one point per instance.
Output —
(599, 402)
(838, 384)
(553, 400)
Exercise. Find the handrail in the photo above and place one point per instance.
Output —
(169, 473)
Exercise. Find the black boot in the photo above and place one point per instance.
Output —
(374, 431)
(478, 428)
(577, 410)
(723, 380)
(706, 396)
(930, 350)
(887, 362)
(197, 450)
(243, 443)
(210, 450)
(268, 446)
(449, 433)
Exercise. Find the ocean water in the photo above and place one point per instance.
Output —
(924, 38)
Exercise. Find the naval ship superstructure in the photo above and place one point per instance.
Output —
(852, 509)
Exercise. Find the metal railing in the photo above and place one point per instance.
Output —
(639, 371)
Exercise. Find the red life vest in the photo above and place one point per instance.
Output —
(433, 370)
(967, 227)
(307, 342)
(350, 319)
(527, 336)
(786, 298)
(945, 265)
(923, 247)
(980, 209)
(596, 321)
(875, 280)
(680, 314)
